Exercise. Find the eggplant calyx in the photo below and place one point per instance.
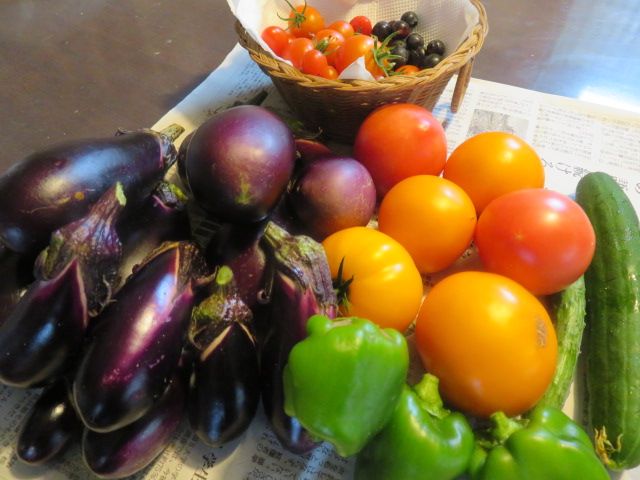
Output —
(212, 317)
(303, 259)
(171, 195)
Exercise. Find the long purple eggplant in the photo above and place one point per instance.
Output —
(128, 450)
(137, 341)
(75, 274)
(51, 426)
(224, 390)
(161, 218)
(301, 288)
(55, 186)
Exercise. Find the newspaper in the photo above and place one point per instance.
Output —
(572, 137)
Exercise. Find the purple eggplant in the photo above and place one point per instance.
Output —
(17, 274)
(161, 218)
(52, 425)
(75, 275)
(56, 186)
(301, 287)
(128, 450)
(224, 390)
(137, 341)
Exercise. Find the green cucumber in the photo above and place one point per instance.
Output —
(568, 308)
(612, 333)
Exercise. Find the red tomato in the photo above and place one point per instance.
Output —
(491, 164)
(343, 27)
(304, 21)
(399, 141)
(314, 62)
(277, 39)
(354, 47)
(489, 341)
(296, 51)
(329, 72)
(329, 41)
(540, 238)
(361, 24)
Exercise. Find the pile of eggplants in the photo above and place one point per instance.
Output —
(133, 302)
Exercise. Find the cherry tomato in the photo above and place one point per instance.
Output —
(386, 286)
(304, 21)
(491, 164)
(540, 238)
(343, 27)
(296, 51)
(329, 72)
(329, 41)
(489, 341)
(361, 24)
(431, 217)
(407, 70)
(314, 62)
(354, 47)
(398, 141)
(277, 39)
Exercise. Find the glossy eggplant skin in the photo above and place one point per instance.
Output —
(138, 339)
(161, 218)
(128, 450)
(50, 427)
(53, 187)
(224, 390)
(40, 337)
(16, 272)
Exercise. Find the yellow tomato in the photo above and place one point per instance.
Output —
(489, 341)
(491, 164)
(385, 286)
(431, 217)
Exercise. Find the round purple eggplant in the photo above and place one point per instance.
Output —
(41, 336)
(332, 194)
(55, 186)
(51, 426)
(238, 163)
(138, 339)
(128, 450)
(224, 390)
(17, 273)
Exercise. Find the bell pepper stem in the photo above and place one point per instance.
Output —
(429, 395)
(503, 426)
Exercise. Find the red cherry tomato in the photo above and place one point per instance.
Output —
(296, 51)
(329, 72)
(361, 24)
(329, 41)
(277, 39)
(304, 21)
(354, 47)
(314, 62)
(539, 238)
(399, 141)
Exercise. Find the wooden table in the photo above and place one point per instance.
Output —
(79, 68)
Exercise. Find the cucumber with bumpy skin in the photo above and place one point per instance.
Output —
(568, 307)
(612, 334)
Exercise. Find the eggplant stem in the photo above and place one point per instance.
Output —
(172, 132)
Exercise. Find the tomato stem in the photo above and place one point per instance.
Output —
(298, 17)
(341, 286)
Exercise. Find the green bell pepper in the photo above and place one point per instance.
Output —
(421, 440)
(343, 381)
(547, 445)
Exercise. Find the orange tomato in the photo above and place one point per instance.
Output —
(407, 70)
(345, 28)
(431, 217)
(329, 41)
(491, 164)
(305, 21)
(296, 51)
(386, 287)
(489, 341)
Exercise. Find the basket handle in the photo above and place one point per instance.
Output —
(462, 82)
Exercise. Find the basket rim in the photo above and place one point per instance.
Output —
(450, 64)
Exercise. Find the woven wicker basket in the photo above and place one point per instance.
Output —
(338, 107)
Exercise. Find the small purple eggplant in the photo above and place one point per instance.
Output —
(51, 426)
(137, 341)
(161, 218)
(17, 274)
(224, 391)
(56, 186)
(301, 288)
(128, 450)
